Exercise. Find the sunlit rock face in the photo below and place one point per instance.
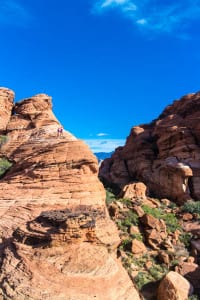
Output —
(56, 238)
(165, 154)
(47, 168)
(6, 104)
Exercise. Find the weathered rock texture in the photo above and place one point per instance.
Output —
(174, 287)
(165, 154)
(45, 167)
(6, 104)
(56, 239)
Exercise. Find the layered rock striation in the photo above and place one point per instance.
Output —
(165, 154)
(56, 238)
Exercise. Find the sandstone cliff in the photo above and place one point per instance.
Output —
(56, 238)
(165, 154)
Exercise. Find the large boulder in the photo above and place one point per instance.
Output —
(164, 154)
(136, 190)
(191, 272)
(174, 287)
(56, 238)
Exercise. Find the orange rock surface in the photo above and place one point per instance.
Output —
(164, 155)
(56, 239)
(174, 287)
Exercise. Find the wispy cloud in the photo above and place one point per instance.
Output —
(12, 12)
(102, 134)
(126, 6)
(104, 145)
(155, 15)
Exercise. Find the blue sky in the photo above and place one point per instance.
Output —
(108, 64)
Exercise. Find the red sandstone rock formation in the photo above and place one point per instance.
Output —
(165, 154)
(56, 239)
(6, 104)
(174, 287)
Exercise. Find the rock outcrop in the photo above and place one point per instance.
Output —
(164, 155)
(174, 287)
(6, 104)
(49, 168)
(56, 238)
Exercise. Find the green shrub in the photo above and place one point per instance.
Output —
(137, 236)
(170, 218)
(110, 197)
(172, 205)
(131, 218)
(155, 212)
(125, 244)
(174, 262)
(141, 260)
(154, 273)
(185, 238)
(171, 222)
(157, 271)
(194, 297)
(141, 279)
(127, 262)
(126, 222)
(4, 165)
(191, 207)
(126, 201)
(3, 139)
(121, 226)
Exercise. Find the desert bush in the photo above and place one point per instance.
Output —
(155, 212)
(130, 218)
(194, 297)
(157, 272)
(126, 201)
(191, 207)
(170, 219)
(174, 262)
(126, 244)
(141, 260)
(3, 139)
(141, 279)
(121, 226)
(171, 222)
(185, 238)
(4, 165)
(110, 197)
(137, 236)
(172, 205)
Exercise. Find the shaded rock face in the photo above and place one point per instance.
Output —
(164, 155)
(56, 239)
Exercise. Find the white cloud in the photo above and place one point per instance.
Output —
(141, 21)
(102, 134)
(104, 145)
(13, 13)
(126, 6)
(107, 3)
(157, 16)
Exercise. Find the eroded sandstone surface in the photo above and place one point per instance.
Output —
(165, 155)
(56, 238)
